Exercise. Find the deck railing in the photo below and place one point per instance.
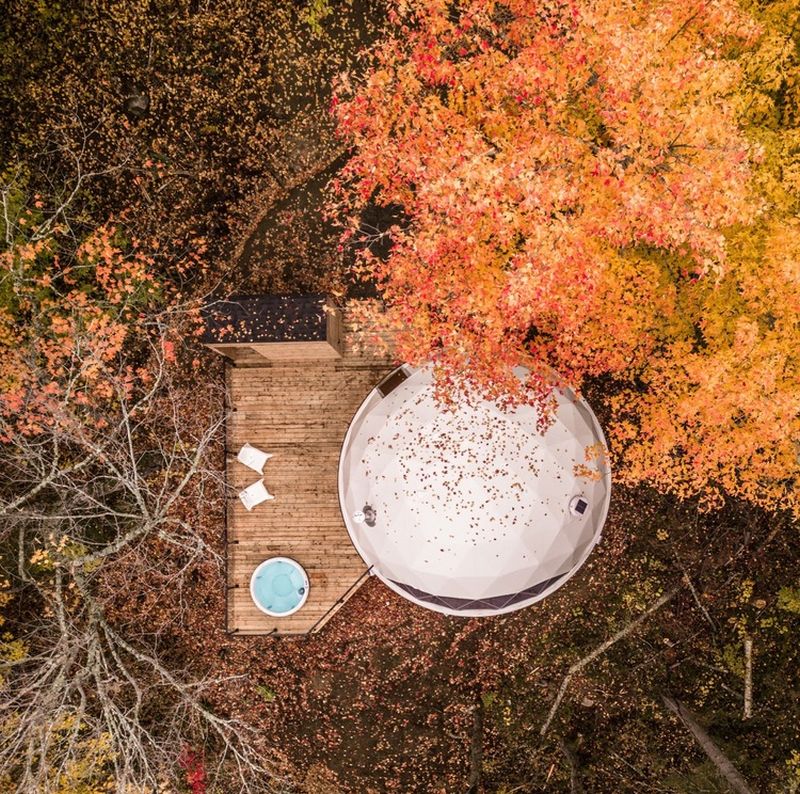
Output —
(339, 601)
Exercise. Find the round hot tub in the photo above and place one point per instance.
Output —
(279, 586)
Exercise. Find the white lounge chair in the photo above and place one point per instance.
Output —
(255, 494)
(253, 458)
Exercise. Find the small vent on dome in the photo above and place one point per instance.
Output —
(578, 506)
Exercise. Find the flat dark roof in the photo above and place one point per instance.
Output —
(266, 318)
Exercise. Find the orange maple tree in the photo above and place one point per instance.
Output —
(81, 312)
(64, 323)
(540, 153)
(570, 174)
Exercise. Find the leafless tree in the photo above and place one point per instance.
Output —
(601, 649)
(79, 498)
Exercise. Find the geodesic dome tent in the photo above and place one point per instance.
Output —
(471, 511)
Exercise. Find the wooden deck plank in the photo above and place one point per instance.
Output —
(300, 412)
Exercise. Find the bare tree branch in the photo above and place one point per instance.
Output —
(600, 650)
(79, 501)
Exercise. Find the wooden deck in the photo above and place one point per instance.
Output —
(299, 411)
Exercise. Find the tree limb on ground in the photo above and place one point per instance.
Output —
(575, 782)
(723, 764)
(748, 678)
(476, 749)
(601, 649)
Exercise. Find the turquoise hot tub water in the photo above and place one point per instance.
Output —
(279, 586)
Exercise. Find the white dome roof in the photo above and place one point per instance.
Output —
(470, 511)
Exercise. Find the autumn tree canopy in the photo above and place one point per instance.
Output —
(577, 184)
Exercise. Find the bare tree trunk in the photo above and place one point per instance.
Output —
(572, 758)
(723, 764)
(748, 678)
(476, 749)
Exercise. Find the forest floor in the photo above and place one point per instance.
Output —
(386, 697)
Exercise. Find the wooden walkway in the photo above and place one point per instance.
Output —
(299, 411)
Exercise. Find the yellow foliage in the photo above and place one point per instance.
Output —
(11, 650)
(86, 770)
(722, 410)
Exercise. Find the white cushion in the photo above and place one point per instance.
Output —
(253, 458)
(255, 494)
